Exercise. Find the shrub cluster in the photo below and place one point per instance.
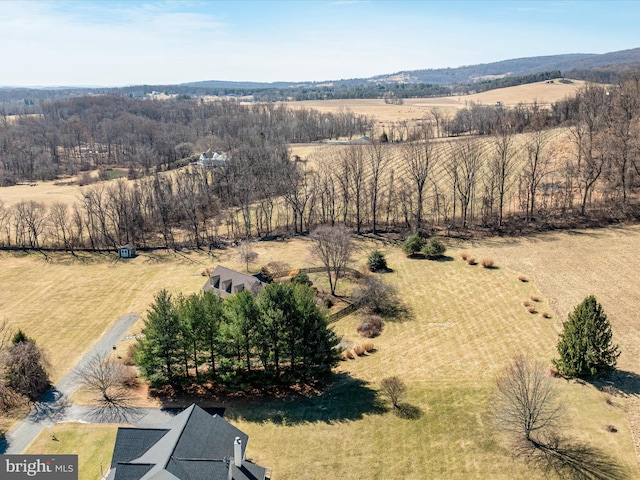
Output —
(370, 326)
(434, 248)
(376, 262)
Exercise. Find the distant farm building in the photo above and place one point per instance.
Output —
(225, 281)
(363, 140)
(127, 251)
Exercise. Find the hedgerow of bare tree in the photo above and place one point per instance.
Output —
(333, 246)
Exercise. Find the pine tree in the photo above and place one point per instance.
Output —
(159, 352)
(585, 346)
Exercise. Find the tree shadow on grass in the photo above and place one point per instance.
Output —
(4, 443)
(346, 399)
(618, 382)
(570, 460)
(408, 411)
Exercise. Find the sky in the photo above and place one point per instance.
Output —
(119, 43)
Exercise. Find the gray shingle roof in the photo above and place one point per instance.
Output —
(193, 446)
(225, 281)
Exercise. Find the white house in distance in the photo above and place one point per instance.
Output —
(215, 159)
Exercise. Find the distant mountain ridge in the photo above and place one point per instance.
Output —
(465, 74)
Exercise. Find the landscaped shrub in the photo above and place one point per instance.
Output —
(328, 302)
(368, 346)
(378, 297)
(376, 261)
(301, 278)
(526, 303)
(370, 326)
(413, 244)
(532, 309)
(546, 315)
(487, 262)
(464, 256)
(349, 354)
(534, 298)
(359, 350)
(434, 248)
(522, 279)
(471, 260)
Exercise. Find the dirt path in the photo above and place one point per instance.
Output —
(55, 405)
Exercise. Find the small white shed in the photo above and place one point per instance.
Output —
(127, 251)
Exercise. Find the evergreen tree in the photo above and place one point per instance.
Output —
(239, 327)
(413, 244)
(585, 346)
(159, 352)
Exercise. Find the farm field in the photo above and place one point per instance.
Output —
(467, 323)
(418, 108)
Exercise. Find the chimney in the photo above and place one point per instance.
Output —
(237, 452)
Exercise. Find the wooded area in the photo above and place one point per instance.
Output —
(487, 167)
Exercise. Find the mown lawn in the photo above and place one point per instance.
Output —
(92, 443)
(466, 323)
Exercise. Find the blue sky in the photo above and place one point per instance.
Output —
(115, 43)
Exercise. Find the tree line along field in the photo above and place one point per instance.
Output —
(466, 323)
(527, 166)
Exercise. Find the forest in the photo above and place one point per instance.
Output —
(487, 168)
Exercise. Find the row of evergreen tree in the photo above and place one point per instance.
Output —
(278, 337)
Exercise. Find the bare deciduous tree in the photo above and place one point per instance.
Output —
(525, 400)
(394, 389)
(333, 246)
(110, 380)
(246, 253)
(26, 369)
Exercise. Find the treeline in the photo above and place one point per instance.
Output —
(78, 134)
(417, 180)
(279, 337)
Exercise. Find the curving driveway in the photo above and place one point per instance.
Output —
(55, 405)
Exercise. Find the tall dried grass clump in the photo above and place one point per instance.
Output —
(534, 298)
(526, 303)
(368, 346)
(546, 315)
(487, 262)
(532, 309)
(359, 350)
(464, 256)
(471, 261)
(523, 279)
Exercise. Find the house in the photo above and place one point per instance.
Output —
(215, 159)
(225, 281)
(127, 251)
(192, 446)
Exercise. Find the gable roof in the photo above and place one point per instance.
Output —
(225, 281)
(193, 446)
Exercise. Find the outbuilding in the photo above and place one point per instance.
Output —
(127, 251)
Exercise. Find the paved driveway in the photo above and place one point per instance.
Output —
(55, 405)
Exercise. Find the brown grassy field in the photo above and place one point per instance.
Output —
(418, 108)
(467, 323)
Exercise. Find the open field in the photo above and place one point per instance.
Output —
(418, 108)
(467, 323)
(92, 443)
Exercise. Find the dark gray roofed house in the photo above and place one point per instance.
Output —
(225, 281)
(193, 446)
